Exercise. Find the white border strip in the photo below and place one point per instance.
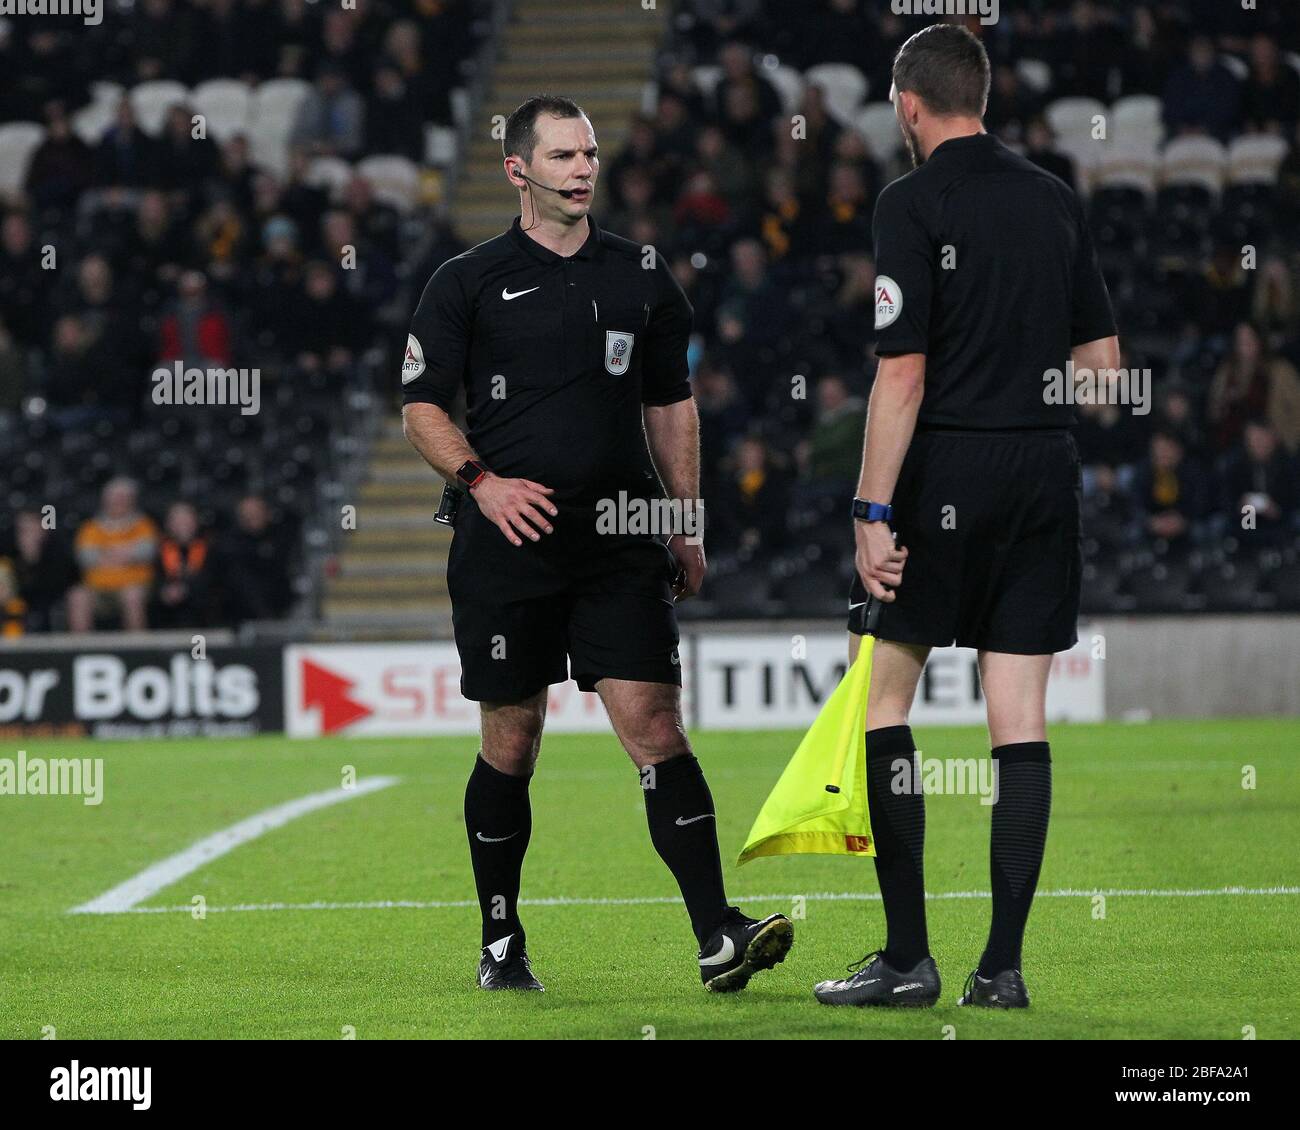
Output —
(842, 896)
(125, 896)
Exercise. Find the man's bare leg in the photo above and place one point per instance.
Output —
(647, 717)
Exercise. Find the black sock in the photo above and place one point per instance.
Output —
(1024, 781)
(898, 828)
(676, 797)
(498, 821)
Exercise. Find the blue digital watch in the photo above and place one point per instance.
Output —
(865, 511)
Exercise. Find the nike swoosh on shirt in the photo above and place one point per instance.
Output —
(505, 292)
(682, 823)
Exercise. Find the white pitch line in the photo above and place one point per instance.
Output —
(124, 898)
(826, 896)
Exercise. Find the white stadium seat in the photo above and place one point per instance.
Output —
(396, 180)
(844, 87)
(1035, 74)
(90, 122)
(1133, 164)
(269, 144)
(707, 78)
(278, 100)
(1086, 155)
(332, 173)
(1255, 159)
(878, 123)
(225, 103)
(1137, 119)
(152, 100)
(18, 140)
(789, 85)
(1072, 118)
(1194, 161)
(440, 145)
(1237, 67)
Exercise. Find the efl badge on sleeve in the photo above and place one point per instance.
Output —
(413, 364)
(618, 351)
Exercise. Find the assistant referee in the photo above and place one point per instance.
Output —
(570, 344)
(967, 515)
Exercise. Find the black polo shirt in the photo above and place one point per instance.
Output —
(557, 356)
(985, 264)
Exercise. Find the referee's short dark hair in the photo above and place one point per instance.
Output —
(947, 67)
(521, 132)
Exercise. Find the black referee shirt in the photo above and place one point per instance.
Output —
(984, 264)
(557, 355)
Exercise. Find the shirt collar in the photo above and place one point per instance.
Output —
(589, 250)
(969, 141)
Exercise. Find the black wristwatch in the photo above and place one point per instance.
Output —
(865, 511)
(471, 473)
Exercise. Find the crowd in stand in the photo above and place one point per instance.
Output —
(136, 249)
(770, 233)
(170, 248)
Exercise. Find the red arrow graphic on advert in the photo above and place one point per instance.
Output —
(329, 691)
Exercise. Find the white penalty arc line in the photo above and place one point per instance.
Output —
(125, 897)
(825, 896)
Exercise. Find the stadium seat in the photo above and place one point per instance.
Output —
(278, 99)
(1073, 118)
(440, 145)
(225, 104)
(1255, 159)
(396, 180)
(1128, 165)
(1086, 155)
(706, 78)
(1137, 120)
(18, 141)
(92, 121)
(152, 100)
(332, 173)
(1035, 74)
(1238, 68)
(1195, 163)
(789, 84)
(844, 86)
(878, 123)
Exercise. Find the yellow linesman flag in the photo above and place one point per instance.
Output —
(819, 806)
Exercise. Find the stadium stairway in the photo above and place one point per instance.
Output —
(389, 579)
(598, 52)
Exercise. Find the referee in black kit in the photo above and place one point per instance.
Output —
(571, 346)
(967, 515)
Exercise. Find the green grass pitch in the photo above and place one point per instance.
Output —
(1156, 807)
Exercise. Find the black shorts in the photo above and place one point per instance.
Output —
(522, 615)
(991, 524)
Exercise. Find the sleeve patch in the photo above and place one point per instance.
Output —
(889, 301)
(413, 365)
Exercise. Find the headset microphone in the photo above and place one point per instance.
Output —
(567, 193)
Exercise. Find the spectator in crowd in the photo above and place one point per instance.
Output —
(116, 550)
(183, 594)
(832, 455)
(1260, 486)
(1202, 97)
(320, 327)
(62, 166)
(13, 609)
(196, 331)
(24, 285)
(44, 571)
(185, 161)
(154, 251)
(753, 499)
(724, 416)
(394, 120)
(1172, 493)
(331, 119)
(1040, 150)
(1252, 382)
(1271, 98)
(1177, 415)
(75, 390)
(126, 156)
(252, 562)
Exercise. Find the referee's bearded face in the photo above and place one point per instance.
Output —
(564, 157)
